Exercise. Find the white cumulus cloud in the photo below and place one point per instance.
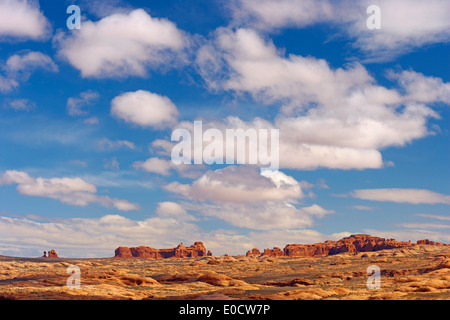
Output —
(334, 118)
(247, 198)
(240, 184)
(405, 24)
(145, 109)
(22, 19)
(123, 44)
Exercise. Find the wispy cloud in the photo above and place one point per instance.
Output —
(413, 196)
(423, 225)
(112, 164)
(72, 191)
(75, 105)
(38, 130)
(410, 234)
(79, 163)
(433, 216)
(107, 144)
(166, 168)
(20, 105)
(22, 65)
(19, 67)
(364, 208)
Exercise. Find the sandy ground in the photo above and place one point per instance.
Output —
(422, 272)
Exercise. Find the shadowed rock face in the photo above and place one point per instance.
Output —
(353, 244)
(181, 251)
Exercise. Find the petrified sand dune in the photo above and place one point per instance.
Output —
(220, 280)
(137, 281)
(445, 264)
(177, 278)
(310, 294)
(215, 279)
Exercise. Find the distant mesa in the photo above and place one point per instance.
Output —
(353, 244)
(51, 254)
(426, 241)
(181, 251)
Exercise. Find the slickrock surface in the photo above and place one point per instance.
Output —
(416, 271)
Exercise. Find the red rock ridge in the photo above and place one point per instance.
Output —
(426, 241)
(353, 244)
(181, 251)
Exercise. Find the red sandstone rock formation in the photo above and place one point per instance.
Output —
(353, 244)
(426, 241)
(181, 251)
(52, 254)
(275, 252)
(253, 252)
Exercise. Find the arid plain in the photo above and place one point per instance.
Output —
(419, 272)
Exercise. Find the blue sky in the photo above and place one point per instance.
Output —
(86, 117)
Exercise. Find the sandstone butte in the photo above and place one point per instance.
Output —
(181, 251)
(51, 254)
(352, 244)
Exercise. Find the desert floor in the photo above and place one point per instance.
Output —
(422, 272)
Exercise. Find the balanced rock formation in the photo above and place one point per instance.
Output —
(353, 244)
(181, 251)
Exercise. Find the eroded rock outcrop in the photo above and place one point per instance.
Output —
(253, 252)
(275, 252)
(353, 244)
(181, 251)
(426, 241)
(51, 254)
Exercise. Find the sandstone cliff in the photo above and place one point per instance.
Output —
(181, 251)
(353, 244)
